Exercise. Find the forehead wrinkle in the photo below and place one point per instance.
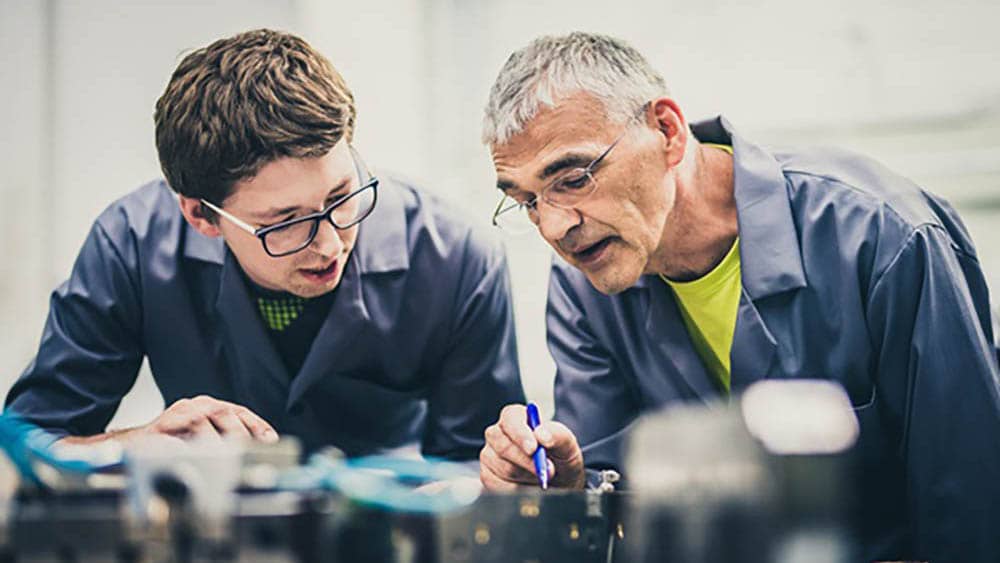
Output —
(535, 167)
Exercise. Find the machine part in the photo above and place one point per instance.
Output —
(195, 482)
(608, 479)
(263, 463)
(752, 480)
(531, 526)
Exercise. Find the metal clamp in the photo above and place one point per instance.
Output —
(608, 479)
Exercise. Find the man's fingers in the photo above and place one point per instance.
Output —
(514, 423)
(201, 427)
(205, 416)
(229, 425)
(258, 427)
(495, 484)
(505, 469)
(498, 441)
(559, 441)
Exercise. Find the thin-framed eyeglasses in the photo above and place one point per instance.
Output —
(293, 235)
(566, 191)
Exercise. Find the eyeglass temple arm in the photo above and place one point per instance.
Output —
(235, 220)
(360, 166)
(496, 211)
(607, 151)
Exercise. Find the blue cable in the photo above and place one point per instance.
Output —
(26, 443)
(426, 469)
(383, 482)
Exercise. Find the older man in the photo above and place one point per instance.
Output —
(693, 263)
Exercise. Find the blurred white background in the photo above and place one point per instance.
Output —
(914, 83)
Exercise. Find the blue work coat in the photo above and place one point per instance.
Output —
(418, 346)
(850, 273)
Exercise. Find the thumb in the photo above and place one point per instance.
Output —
(559, 441)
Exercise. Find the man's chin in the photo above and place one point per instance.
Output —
(312, 292)
(610, 282)
(309, 294)
(309, 290)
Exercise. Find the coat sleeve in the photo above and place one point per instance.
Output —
(90, 349)
(479, 372)
(592, 397)
(937, 383)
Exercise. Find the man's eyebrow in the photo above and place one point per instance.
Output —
(505, 185)
(340, 187)
(570, 160)
(278, 212)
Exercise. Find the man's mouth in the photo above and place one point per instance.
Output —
(321, 274)
(591, 253)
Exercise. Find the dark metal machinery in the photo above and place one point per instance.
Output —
(757, 479)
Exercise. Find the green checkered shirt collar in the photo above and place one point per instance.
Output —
(280, 312)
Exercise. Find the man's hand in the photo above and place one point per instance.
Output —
(204, 416)
(505, 462)
(200, 417)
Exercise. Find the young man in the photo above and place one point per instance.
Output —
(693, 263)
(289, 291)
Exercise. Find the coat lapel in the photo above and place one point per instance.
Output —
(670, 338)
(338, 346)
(260, 377)
(753, 349)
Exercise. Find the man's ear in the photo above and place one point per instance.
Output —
(665, 116)
(195, 214)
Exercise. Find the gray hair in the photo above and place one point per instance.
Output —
(551, 68)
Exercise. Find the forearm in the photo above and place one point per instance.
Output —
(120, 435)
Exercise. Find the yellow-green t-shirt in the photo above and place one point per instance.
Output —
(708, 306)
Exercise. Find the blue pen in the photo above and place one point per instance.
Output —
(541, 461)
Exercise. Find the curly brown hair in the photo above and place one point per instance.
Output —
(244, 101)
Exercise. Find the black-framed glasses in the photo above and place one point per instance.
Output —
(566, 191)
(293, 235)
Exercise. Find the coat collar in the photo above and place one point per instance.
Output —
(381, 245)
(770, 256)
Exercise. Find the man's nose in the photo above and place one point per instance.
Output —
(327, 241)
(554, 222)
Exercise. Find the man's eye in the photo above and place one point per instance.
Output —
(282, 220)
(571, 182)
